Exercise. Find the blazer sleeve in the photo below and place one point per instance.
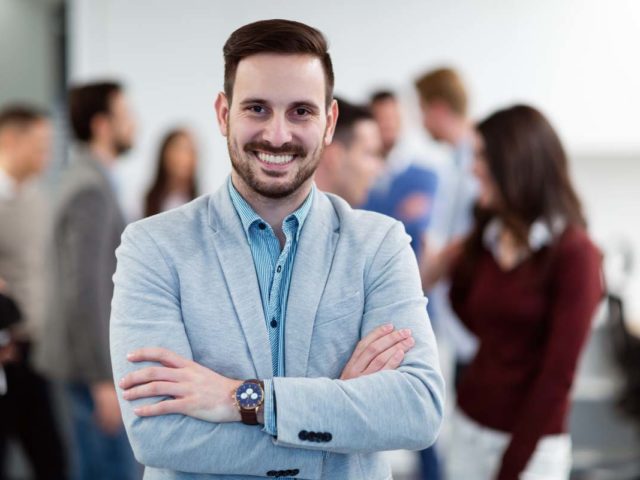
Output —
(388, 410)
(84, 258)
(146, 312)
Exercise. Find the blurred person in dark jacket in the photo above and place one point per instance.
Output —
(88, 224)
(26, 412)
(175, 180)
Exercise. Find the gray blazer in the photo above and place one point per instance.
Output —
(88, 224)
(186, 281)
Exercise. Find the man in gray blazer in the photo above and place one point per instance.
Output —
(87, 230)
(269, 330)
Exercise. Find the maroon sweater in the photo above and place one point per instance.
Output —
(532, 323)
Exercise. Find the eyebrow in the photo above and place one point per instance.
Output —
(300, 103)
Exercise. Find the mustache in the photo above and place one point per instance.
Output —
(284, 149)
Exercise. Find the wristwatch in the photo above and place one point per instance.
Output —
(249, 397)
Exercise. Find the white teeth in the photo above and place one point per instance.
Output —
(276, 159)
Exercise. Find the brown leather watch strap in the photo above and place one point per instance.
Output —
(249, 417)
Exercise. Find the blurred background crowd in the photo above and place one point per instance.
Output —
(503, 136)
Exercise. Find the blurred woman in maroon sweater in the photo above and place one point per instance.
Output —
(527, 282)
(175, 180)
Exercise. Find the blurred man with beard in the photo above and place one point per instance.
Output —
(88, 225)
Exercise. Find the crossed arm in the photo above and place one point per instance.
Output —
(174, 401)
(199, 392)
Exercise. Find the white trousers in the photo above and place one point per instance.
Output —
(475, 453)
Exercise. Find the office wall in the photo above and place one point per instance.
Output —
(575, 59)
(27, 71)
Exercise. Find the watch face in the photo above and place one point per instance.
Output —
(249, 395)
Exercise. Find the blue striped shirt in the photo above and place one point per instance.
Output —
(273, 266)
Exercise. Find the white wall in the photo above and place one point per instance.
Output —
(26, 63)
(575, 59)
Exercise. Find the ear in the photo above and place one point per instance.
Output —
(99, 125)
(222, 113)
(332, 118)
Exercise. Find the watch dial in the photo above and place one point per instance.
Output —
(249, 395)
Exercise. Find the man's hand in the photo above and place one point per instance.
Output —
(107, 413)
(194, 390)
(382, 349)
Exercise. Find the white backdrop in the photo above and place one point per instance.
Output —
(578, 60)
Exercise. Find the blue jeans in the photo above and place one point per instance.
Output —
(429, 464)
(95, 454)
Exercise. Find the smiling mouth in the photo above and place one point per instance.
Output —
(272, 159)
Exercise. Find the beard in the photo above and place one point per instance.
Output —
(246, 166)
(121, 147)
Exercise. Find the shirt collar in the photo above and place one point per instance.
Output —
(249, 217)
(8, 186)
(541, 233)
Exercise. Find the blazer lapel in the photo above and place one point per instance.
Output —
(311, 269)
(239, 271)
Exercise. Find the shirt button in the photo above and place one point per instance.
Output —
(262, 226)
(279, 269)
(274, 324)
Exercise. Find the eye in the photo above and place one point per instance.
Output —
(302, 112)
(256, 109)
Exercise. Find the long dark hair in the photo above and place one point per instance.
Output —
(159, 190)
(530, 170)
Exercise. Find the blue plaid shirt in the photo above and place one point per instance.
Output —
(273, 268)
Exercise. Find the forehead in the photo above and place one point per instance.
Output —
(367, 132)
(385, 105)
(118, 102)
(41, 126)
(279, 78)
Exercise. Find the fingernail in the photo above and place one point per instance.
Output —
(137, 411)
(410, 341)
(125, 394)
(405, 331)
(121, 382)
(387, 327)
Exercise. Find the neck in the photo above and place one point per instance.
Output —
(103, 151)
(272, 210)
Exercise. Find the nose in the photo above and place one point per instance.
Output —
(277, 131)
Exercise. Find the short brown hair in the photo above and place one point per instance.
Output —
(350, 115)
(20, 115)
(443, 84)
(275, 36)
(87, 101)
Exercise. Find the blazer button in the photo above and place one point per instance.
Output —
(312, 437)
(271, 473)
(303, 435)
(294, 472)
(327, 437)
